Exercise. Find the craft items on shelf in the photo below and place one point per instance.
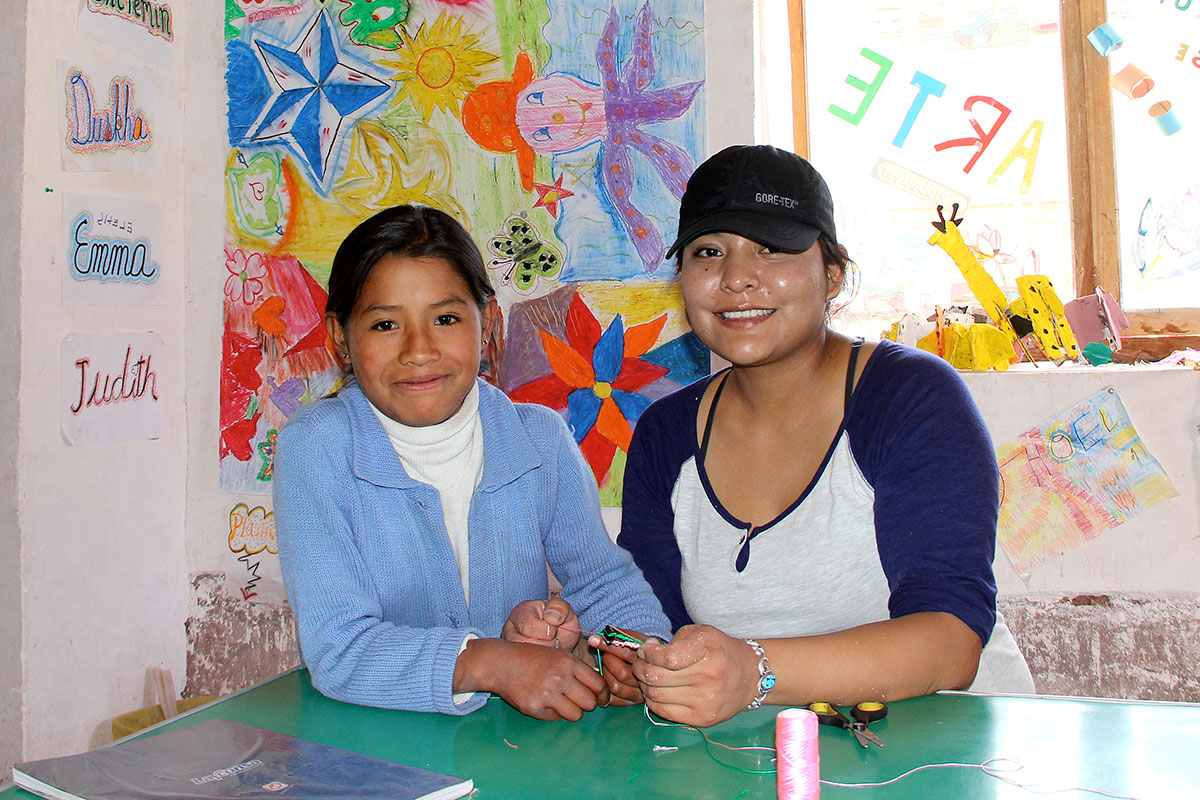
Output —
(1038, 311)
(1040, 305)
(1097, 353)
(1184, 358)
(955, 334)
(976, 346)
(986, 291)
(1098, 321)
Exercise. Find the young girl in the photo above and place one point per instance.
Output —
(825, 508)
(418, 508)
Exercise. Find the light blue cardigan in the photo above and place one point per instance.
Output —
(368, 565)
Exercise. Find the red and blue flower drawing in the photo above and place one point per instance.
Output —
(596, 375)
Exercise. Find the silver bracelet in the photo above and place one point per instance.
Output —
(766, 678)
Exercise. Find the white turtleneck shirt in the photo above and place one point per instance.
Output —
(449, 457)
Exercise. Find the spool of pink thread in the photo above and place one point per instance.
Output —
(798, 768)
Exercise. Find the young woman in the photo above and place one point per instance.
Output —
(417, 509)
(825, 509)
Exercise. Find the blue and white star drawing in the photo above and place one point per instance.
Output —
(316, 93)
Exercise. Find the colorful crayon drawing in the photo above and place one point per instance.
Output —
(318, 91)
(600, 376)
(563, 113)
(251, 532)
(1072, 478)
(1168, 236)
(560, 134)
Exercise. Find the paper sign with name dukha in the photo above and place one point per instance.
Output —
(110, 117)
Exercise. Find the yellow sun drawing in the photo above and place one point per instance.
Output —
(437, 67)
(382, 172)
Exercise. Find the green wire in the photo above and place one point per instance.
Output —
(708, 750)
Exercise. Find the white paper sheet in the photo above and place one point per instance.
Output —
(113, 250)
(110, 387)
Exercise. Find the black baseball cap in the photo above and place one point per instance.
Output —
(758, 191)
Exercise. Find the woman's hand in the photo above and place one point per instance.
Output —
(549, 623)
(538, 681)
(701, 678)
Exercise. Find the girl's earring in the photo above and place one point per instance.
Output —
(485, 342)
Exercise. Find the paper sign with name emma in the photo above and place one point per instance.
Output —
(112, 248)
(109, 117)
(141, 27)
(110, 387)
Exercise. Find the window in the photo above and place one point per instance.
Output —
(905, 106)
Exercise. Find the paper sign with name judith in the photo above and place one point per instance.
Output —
(1074, 476)
(141, 27)
(113, 246)
(110, 117)
(110, 387)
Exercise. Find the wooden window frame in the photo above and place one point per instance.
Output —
(1092, 175)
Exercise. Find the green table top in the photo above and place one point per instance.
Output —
(1143, 750)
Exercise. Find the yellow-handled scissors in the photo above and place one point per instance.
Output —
(863, 713)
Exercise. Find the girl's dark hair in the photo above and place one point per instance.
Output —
(411, 231)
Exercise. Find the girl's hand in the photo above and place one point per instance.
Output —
(618, 670)
(701, 678)
(550, 623)
(538, 681)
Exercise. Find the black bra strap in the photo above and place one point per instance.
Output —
(712, 413)
(855, 346)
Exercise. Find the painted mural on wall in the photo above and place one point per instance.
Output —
(559, 133)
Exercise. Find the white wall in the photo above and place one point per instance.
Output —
(204, 196)
(12, 98)
(101, 527)
(731, 64)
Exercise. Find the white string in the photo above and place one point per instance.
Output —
(708, 742)
(993, 767)
(990, 767)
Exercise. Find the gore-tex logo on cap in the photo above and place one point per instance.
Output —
(775, 200)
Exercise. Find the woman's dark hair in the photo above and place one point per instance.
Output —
(835, 255)
(411, 231)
